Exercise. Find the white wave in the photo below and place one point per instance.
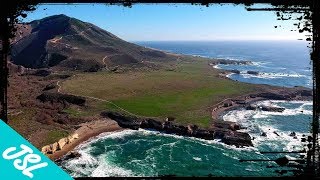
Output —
(106, 135)
(216, 66)
(287, 112)
(229, 75)
(259, 115)
(267, 103)
(256, 122)
(285, 101)
(197, 158)
(198, 140)
(236, 115)
(197, 55)
(272, 75)
(259, 63)
(105, 170)
(230, 58)
(87, 165)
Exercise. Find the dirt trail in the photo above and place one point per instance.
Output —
(99, 99)
(56, 40)
(104, 63)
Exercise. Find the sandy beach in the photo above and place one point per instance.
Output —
(85, 132)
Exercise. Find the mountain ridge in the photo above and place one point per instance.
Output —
(64, 42)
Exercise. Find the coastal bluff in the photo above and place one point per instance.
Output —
(225, 131)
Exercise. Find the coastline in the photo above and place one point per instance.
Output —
(219, 110)
(94, 128)
(86, 131)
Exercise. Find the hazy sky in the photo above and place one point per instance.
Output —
(177, 22)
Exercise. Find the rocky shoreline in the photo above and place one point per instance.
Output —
(246, 101)
(63, 148)
(225, 131)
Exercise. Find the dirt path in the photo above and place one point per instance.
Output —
(104, 63)
(99, 99)
(103, 100)
(56, 40)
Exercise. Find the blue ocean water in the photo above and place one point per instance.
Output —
(280, 63)
(150, 153)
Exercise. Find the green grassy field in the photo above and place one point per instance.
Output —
(187, 92)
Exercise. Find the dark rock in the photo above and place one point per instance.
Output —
(276, 133)
(282, 161)
(191, 129)
(170, 118)
(292, 134)
(272, 109)
(239, 139)
(72, 154)
(243, 102)
(203, 134)
(281, 172)
(251, 107)
(227, 104)
(306, 93)
(49, 87)
(169, 127)
(224, 61)
(57, 97)
(123, 121)
(150, 123)
(227, 135)
(227, 125)
(235, 71)
(219, 133)
(265, 108)
(264, 134)
(253, 72)
(41, 72)
(252, 96)
(274, 96)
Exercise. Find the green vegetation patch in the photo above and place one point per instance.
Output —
(186, 93)
(54, 136)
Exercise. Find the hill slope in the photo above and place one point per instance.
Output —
(65, 42)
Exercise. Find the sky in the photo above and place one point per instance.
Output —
(176, 22)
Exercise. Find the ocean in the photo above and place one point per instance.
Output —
(150, 153)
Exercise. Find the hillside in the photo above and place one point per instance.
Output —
(67, 43)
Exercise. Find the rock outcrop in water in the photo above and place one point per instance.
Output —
(265, 108)
(233, 62)
(253, 72)
(224, 131)
(235, 71)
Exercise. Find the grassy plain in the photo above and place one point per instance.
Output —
(186, 91)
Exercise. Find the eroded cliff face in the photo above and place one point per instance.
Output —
(227, 132)
(57, 146)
